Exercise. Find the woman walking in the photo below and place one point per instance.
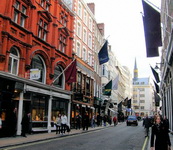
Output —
(161, 136)
(58, 124)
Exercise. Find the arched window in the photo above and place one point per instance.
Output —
(38, 64)
(59, 82)
(13, 62)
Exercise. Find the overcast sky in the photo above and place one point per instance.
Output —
(123, 22)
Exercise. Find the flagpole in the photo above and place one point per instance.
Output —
(62, 72)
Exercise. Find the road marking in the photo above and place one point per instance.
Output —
(145, 142)
(50, 140)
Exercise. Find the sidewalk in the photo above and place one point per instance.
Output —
(19, 140)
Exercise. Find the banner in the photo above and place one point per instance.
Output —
(103, 54)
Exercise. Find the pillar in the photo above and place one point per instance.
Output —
(20, 113)
(69, 111)
(49, 114)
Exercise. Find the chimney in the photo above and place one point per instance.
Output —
(91, 7)
(101, 27)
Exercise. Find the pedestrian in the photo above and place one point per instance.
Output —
(85, 121)
(58, 124)
(115, 120)
(25, 124)
(63, 123)
(161, 136)
(147, 125)
(93, 121)
(14, 122)
(98, 120)
(166, 123)
(105, 120)
(78, 121)
(0, 122)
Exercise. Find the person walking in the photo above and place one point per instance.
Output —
(161, 136)
(25, 124)
(78, 121)
(85, 121)
(93, 121)
(166, 123)
(147, 125)
(58, 124)
(63, 123)
(115, 120)
(14, 122)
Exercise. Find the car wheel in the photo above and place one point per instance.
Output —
(136, 124)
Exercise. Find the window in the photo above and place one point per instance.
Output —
(45, 4)
(62, 43)
(79, 10)
(142, 107)
(142, 101)
(134, 101)
(90, 23)
(59, 81)
(90, 59)
(20, 13)
(84, 54)
(78, 49)
(42, 29)
(85, 35)
(13, 63)
(90, 41)
(104, 70)
(38, 63)
(79, 29)
(85, 17)
(63, 19)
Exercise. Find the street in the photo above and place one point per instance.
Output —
(121, 137)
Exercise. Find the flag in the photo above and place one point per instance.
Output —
(152, 30)
(157, 99)
(115, 83)
(129, 103)
(125, 101)
(108, 88)
(70, 73)
(156, 76)
(103, 54)
(156, 86)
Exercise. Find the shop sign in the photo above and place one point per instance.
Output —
(35, 74)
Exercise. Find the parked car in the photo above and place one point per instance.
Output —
(132, 120)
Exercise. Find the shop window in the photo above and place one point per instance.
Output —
(87, 86)
(63, 19)
(62, 43)
(58, 107)
(13, 63)
(42, 29)
(39, 108)
(38, 63)
(60, 80)
(20, 11)
(79, 81)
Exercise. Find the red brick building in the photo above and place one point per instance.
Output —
(36, 39)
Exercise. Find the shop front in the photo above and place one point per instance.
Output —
(42, 101)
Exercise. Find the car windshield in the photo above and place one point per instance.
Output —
(132, 117)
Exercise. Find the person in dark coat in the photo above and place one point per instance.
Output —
(78, 121)
(85, 121)
(161, 136)
(147, 125)
(25, 124)
(166, 123)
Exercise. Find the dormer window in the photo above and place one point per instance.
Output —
(63, 19)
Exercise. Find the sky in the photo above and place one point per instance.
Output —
(124, 26)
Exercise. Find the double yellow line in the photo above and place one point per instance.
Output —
(145, 142)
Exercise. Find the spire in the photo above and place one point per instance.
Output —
(135, 71)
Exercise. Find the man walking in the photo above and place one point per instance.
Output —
(147, 125)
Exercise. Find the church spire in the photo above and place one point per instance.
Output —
(135, 71)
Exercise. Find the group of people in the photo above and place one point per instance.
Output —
(160, 139)
(61, 124)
